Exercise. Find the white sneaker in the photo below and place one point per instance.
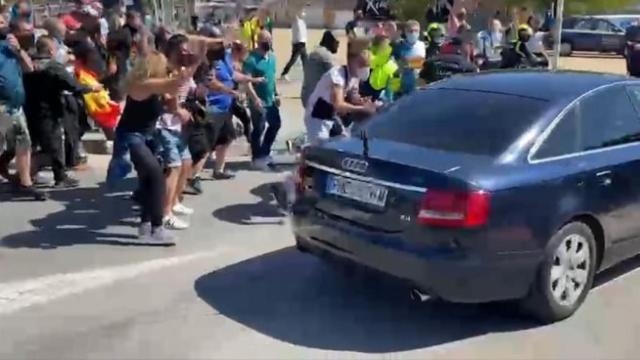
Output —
(160, 235)
(261, 164)
(144, 230)
(171, 222)
(182, 210)
(285, 78)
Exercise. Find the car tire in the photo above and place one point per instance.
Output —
(565, 276)
(300, 247)
(566, 49)
(623, 52)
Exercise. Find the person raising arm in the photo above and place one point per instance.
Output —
(145, 85)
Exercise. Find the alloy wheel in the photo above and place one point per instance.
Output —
(570, 270)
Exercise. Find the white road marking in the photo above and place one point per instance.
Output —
(18, 295)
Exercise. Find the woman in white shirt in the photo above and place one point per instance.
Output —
(336, 92)
(536, 43)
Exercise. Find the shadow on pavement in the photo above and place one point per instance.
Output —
(265, 211)
(298, 299)
(87, 213)
(617, 271)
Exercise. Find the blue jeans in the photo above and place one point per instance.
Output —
(266, 124)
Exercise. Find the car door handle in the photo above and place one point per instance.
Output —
(605, 178)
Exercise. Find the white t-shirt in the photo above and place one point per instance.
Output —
(104, 26)
(419, 49)
(171, 121)
(535, 44)
(299, 30)
(334, 77)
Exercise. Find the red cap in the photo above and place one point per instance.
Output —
(70, 22)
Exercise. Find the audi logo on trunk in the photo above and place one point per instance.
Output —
(355, 165)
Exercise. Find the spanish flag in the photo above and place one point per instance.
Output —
(99, 106)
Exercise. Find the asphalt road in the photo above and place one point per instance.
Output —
(73, 286)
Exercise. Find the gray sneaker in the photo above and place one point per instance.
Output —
(144, 230)
(160, 236)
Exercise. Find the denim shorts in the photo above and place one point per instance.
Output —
(173, 148)
(13, 129)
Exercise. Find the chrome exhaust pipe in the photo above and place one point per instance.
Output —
(418, 296)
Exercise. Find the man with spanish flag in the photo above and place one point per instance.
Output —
(44, 87)
(104, 111)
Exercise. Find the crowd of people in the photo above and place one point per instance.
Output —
(387, 60)
(167, 100)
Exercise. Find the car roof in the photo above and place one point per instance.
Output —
(596, 16)
(618, 16)
(553, 86)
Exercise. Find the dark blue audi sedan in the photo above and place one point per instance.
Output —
(496, 186)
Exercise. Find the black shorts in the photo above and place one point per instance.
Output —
(205, 136)
(197, 139)
(219, 129)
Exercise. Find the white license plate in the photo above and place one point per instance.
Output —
(357, 190)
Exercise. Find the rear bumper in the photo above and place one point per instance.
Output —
(456, 276)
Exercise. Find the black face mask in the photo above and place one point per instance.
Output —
(4, 32)
(265, 46)
(215, 54)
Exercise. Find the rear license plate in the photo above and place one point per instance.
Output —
(357, 190)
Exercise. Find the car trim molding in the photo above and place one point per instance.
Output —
(545, 134)
(365, 178)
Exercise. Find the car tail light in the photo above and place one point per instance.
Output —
(303, 178)
(454, 208)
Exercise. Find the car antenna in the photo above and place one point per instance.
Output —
(365, 143)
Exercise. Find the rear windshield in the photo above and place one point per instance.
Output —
(624, 22)
(463, 121)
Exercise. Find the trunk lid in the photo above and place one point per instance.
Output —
(383, 191)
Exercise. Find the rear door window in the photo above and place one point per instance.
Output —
(604, 26)
(585, 25)
(463, 121)
(602, 120)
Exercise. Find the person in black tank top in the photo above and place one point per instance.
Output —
(141, 116)
(145, 85)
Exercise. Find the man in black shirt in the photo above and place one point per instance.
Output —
(518, 55)
(133, 23)
(43, 108)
